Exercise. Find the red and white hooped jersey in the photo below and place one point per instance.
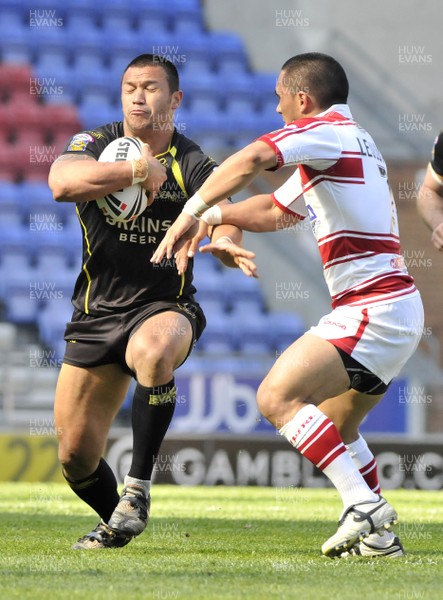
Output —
(341, 184)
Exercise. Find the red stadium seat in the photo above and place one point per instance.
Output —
(62, 118)
(15, 78)
(25, 113)
(7, 120)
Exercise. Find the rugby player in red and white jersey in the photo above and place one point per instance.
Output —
(430, 196)
(326, 382)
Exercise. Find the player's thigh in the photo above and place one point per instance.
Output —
(159, 345)
(86, 403)
(310, 370)
(348, 410)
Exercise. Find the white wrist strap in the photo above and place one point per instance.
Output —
(195, 206)
(213, 216)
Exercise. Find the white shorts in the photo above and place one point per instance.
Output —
(382, 337)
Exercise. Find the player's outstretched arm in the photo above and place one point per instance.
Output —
(430, 205)
(235, 173)
(258, 214)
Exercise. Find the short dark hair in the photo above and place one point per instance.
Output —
(320, 75)
(143, 60)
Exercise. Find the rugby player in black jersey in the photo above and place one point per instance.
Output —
(131, 317)
(430, 197)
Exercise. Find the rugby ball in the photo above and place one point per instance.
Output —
(129, 203)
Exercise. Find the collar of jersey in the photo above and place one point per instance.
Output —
(168, 150)
(342, 109)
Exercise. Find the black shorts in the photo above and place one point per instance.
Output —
(94, 341)
(361, 379)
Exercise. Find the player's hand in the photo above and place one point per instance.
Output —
(241, 256)
(156, 176)
(181, 256)
(202, 233)
(174, 233)
(181, 249)
(437, 237)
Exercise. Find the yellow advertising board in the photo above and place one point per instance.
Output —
(29, 458)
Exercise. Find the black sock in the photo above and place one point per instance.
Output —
(99, 490)
(152, 411)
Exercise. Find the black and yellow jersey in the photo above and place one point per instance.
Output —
(117, 273)
(437, 155)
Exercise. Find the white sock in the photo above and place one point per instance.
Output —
(317, 438)
(143, 483)
(365, 462)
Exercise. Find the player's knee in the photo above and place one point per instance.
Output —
(75, 463)
(269, 400)
(152, 362)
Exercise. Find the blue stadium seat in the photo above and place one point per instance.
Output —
(10, 215)
(220, 329)
(236, 286)
(241, 106)
(34, 196)
(94, 115)
(201, 85)
(49, 238)
(13, 260)
(194, 66)
(149, 6)
(48, 58)
(50, 262)
(243, 308)
(125, 43)
(51, 321)
(209, 285)
(230, 65)
(21, 307)
(206, 104)
(13, 238)
(55, 80)
(11, 16)
(47, 39)
(194, 46)
(98, 97)
(14, 45)
(256, 347)
(147, 22)
(79, 7)
(270, 119)
(250, 330)
(237, 85)
(85, 62)
(85, 39)
(117, 19)
(83, 15)
(264, 84)
(8, 193)
(188, 23)
(92, 81)
(212, 306)
(226, 45)
(286, 327)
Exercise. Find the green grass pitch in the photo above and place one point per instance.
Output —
(210, 543)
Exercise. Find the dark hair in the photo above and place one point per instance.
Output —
(160, 61)
(319, 75)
